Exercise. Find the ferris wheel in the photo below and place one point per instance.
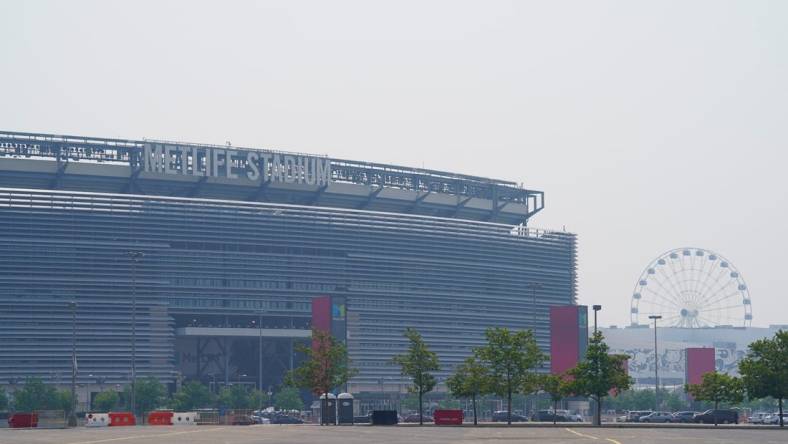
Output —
(692, 288)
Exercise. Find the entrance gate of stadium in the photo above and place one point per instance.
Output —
(225, 355)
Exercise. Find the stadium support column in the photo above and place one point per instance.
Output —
(135, 257)
(656, 363)
(72, 418)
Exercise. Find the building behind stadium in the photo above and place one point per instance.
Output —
(194, 257)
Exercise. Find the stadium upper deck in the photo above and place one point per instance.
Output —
(163, 168)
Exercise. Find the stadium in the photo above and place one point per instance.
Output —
(194, 261)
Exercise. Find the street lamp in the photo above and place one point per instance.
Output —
(135, 257)
(87, 386)
(533, 286)
(596, 309)
(598, 411)
(656, 363)
(72, 419)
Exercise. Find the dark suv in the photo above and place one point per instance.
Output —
(722, 417)
(502, 416)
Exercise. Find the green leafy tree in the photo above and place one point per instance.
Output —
(764, 370)
(259, 399)
(511, 358)
(557, 387)
(717, 387)
(288, 398)
(149, 395)
(106, 401)
(63, 401)
(3, 400)
(235, 396)
(192, 395)
(418, 363)
(326, 366)
(470, 380)
(35, 395)
(599, 373)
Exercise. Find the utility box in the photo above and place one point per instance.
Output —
(328, 409)
(345, 408)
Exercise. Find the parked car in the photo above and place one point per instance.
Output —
(758, 417)
(570, 417)
(544, 415)
(414, 417)
(656, 417)
(285, 419)
(684, 417)
(635, 415)
(363, 419)
(775, 419)
(502, 416)
(722, 417)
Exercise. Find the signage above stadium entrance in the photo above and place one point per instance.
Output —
(194, 160)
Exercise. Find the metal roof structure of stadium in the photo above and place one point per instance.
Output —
(178, 169)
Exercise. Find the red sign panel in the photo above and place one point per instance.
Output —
(698, 362)
(564, 338)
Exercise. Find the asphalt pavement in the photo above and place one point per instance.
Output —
(403, 434)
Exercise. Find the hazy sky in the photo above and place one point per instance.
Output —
(649, 125)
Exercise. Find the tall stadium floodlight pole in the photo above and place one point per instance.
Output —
(533, 286)
(598, 411)
(72, 418)
(260, 346)
(656, 364)
(135, 257)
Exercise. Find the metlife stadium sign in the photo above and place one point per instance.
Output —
(236, 164)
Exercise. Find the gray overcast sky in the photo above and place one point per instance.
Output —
(649, 125)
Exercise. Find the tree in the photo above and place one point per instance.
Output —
(106, 401)
(259, 399)
(470, 379)
(235, 397)
(599, 373)
(717, 387)
(417, 363)
(510, 358)
(149, 394)
(3, 400)
(192, 395)
(35, 395)
(764, 370)
(557, 387)
(326, 366)
(288, 398)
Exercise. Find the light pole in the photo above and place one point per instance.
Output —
(533, 286)
(72, 419)
(135, 257)
(260, 351)
(656, 364)
(87, 385)
(596, 309)
(597, 411)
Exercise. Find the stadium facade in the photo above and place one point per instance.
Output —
(194, 257)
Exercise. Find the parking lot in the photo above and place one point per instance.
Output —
(403, 434)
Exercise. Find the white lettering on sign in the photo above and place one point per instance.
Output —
(234, 164)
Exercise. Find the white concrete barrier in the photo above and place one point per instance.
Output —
(184, 418)
(97, 419)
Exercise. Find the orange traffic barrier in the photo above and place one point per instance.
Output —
(160, 418)
(118, 419)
